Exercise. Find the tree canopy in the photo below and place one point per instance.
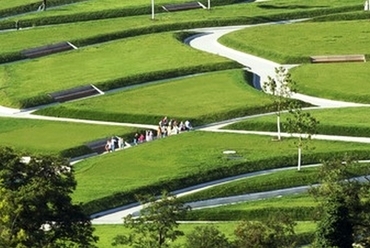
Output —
(35, 204)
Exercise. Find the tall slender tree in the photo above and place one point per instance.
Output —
(281, 87)
(303, 124)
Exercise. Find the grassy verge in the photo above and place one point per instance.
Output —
(338, 121)
(196, 158)
(45, 137)
(287, 47)
(97, 64)
(203, 99)
(339, 81)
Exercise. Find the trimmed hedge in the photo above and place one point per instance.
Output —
(127, 197)
(145, 119)
(76, 152)
(356, 15)
(322, 128)
(11, 57)
(263, 214)
(128, 81)
(35, 101)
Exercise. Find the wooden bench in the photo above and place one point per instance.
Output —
(338, 58)
(75, 93)
(48, 49)
(182, 6)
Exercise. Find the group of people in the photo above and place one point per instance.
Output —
(114, 143)
(140, 137)
(166, 127)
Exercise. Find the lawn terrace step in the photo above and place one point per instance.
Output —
(183, 6)
(74, 93)
(338, 58)
(48, 49)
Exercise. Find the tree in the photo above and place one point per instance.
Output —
(281, 87)
(303, 124)
(207, 237)
(275, 233)
(157, 224)
(343, 206)
(35, 204)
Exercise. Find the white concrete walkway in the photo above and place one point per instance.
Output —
(207, 41)
(262, 68)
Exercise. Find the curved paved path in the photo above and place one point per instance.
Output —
(207, 41)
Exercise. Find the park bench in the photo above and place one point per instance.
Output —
(48, 49)
(75, 93)
(182, 6)
(338, 58)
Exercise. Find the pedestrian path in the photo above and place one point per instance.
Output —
(207, 41)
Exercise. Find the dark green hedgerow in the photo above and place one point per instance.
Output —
(126, 197)
(62, 111)
(11, 57)
(127, 81)
(76, 152)
(321, 129)
(218, 214)
(35, 101)
(347, 16)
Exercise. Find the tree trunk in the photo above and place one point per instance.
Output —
(299, 157)
(278, 126)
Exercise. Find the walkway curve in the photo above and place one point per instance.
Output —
(207, 41)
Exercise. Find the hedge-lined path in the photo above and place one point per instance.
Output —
(207, 42)
(114, 216)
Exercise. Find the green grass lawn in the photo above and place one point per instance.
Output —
(182, 156)
(106, 233)
(320, 38)
(200, 98)
(47, 137)
(10, 4)
(11, 41)
(96, 64)
(353, 121)
(241, 10)
(339, 81)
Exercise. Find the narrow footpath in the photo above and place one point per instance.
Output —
(262, 68)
